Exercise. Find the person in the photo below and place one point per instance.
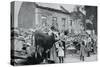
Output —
(61, 52)
(88, 47)
(93, 46)
(24, 48)
(82, 50)
(57, 46)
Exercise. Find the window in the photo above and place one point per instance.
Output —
(54, 21)
(44, 20)
(70, 22)
(63, 21)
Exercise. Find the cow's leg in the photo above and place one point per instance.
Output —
(36, 51)
(44, 57)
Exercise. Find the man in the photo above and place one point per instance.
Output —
(82, 50)
(24, 48)
(88, 47)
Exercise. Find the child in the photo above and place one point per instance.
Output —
(60, 52)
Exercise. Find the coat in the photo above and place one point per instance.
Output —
(82, 50)
(88, 47)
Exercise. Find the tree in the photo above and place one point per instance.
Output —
(78, 16)
(91, 14)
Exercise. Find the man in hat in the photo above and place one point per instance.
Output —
(82, 50)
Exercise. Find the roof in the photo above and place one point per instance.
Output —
(53, 7)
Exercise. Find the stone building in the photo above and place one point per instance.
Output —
(32, 14)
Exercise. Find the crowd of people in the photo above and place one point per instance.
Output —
(85, 44)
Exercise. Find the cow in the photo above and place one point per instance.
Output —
(43, 42)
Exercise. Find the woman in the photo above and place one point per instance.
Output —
(57, 46)
(61, 52)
